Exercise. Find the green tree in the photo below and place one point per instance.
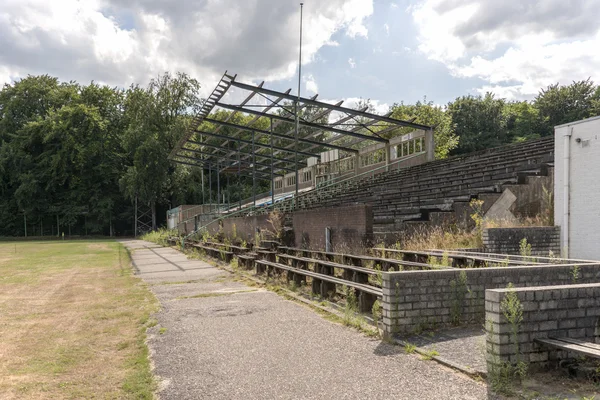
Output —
(479, 122)
(156, 118)
(522, 121)
(560, 104)
(427, 113)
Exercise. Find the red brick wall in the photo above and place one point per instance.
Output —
(245, 227)
(351, 227)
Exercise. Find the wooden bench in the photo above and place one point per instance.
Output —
(359, 261)
(458, 259)
(322, 283)
(246, 260)
(356, 274)
(589, 349)
(270, 244)
(173, 240)
(222, 255)
(350, 272)
(228, 247)
(266, 255)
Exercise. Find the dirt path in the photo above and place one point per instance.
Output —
(220, 339)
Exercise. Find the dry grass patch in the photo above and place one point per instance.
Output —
(439, 238)
(72, 322)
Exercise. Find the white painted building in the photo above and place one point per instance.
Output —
(577, 187)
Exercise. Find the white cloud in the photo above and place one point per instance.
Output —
(351, 62)
(87, 40)
(355, 11)
(386, 28)
(516, 47)
(311, 84)
(375, 106)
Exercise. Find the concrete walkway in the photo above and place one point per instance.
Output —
(220, 339)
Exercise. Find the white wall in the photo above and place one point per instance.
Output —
(584, 196)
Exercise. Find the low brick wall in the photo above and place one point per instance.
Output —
(561, 311)
(351, 227)
(542, 239)
(245, 228)
(415, 300)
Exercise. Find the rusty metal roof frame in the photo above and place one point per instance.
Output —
(228, 143)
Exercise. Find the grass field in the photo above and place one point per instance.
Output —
(72, 322)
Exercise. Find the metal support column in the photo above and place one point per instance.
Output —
(253, 172)
(296, 107)
(272, 181)
(209, 188)
(218, 188)
(387, 157)
(239, 177)
(135, 224)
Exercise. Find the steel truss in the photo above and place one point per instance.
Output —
(279, 129)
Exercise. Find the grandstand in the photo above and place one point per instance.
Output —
(338, 156)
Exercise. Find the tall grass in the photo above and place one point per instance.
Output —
(160, 236)
(438, 238)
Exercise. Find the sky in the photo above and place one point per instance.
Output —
(388, 51)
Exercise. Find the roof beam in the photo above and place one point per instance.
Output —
(202, 164)
(277, 122)
(282, 136)
(235, 160)
(249, 142)
(234, 151)
(326, 105)
(291, 131)
(303, 123)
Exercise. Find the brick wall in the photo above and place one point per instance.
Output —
(561, 311)
(244, 227)
(507, 240)
(351, 227)
(413, 300)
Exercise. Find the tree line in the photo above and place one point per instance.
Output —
(77, 157)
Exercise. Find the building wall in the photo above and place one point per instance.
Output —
(542, 239)
(351, 227)
(585, 187)
(414, 300)
(571, 311)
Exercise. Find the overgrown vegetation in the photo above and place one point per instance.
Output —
(460, 289)
(548, 206)
(502, 374)
(376, 311)
(525, 249)
(477, 217)
(160, 236)
(276, 219)
(410, 348)
(429, 354)
(439, 238)
(575, 273)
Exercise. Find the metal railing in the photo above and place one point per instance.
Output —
(317, 190)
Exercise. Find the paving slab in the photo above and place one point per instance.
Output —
(463, 347)
(221, 339)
